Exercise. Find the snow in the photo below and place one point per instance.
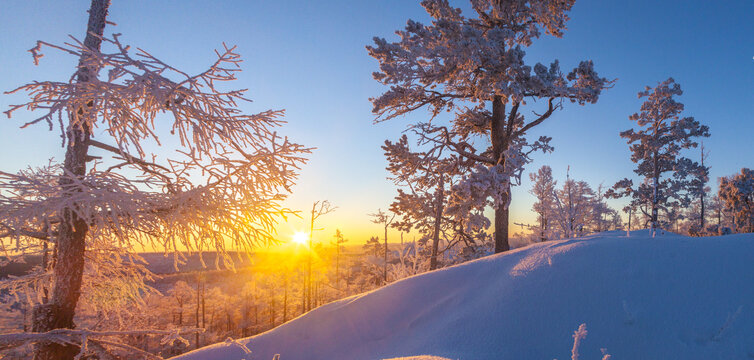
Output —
(669, 297)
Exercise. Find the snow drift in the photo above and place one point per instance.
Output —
(669, 297)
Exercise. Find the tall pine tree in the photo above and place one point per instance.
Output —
(474, 66)
(656, 149)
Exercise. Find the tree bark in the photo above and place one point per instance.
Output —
(384, 266)
(499, 141)
(701, 192)
(438, 219)
(501, 229)
(71, 241)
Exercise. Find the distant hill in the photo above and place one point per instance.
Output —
(158, 263)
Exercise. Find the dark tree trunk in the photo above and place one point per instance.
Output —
(285, 299)
(438, 219)
(499, 138)
(198, 303)
(701, 191)
(384, 266)
(501, 229)
(629, 219)
(71, 241)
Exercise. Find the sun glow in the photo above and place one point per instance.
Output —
(301, 238)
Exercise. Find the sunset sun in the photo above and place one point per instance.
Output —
(300, 238)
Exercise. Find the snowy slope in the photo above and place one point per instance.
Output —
(670, 297)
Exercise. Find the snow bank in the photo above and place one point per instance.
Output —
(670, 297)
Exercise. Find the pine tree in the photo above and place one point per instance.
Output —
(425, 179)
(475, 67)
(656, 149)
(737, 195)
(544, 190)
(698, 189)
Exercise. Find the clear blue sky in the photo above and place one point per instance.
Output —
(309, 58)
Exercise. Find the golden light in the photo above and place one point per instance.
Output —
(301, 238)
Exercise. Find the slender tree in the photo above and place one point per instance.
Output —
(385, 220)
(656, 149)
(224, 186)
(319, 209)
(544, 190)
(475, 67)
(337, 241)
(699, 189)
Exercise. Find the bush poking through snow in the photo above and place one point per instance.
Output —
(578, 336)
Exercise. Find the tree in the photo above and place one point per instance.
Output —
(469, 64)
(385, 220)
(224, 186)
(182, 293)
(544, 190)
(425, 178)
(656, 149)
(338, 240)
(737, 195)
(601, 211)
(319, 209)
(574, 206)
(698, 188)
(373, 245)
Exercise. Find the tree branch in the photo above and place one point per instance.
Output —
(550, 109)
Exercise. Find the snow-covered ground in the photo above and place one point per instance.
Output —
(669, 297)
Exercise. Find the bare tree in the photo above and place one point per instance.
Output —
(337, 241)
(385, 219)
(319, 209)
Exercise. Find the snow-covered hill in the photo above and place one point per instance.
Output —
(669, 297)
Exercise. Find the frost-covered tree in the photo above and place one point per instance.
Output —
(385, 219)
(543, 188)
(574, 205)
(698, 189)
(656, 147)
(182, 293)
(603, 215)
(718, 214)
(338, 239)
(425, 179)
(475, 67)
(222, 187)
(737, 196)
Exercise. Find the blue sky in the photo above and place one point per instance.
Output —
(309, 58)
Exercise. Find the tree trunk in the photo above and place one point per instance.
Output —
(438, 219)
(285, 299)
(499, 140)
(337, 265)
(501, 229)
(384, 266)
(198, 303)
(71, 241)
(654, 207)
